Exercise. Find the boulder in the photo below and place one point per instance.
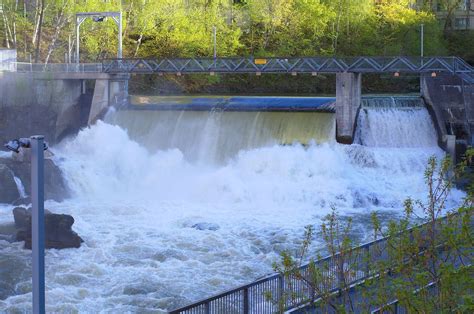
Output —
(58, 229)
(55, 187)
(8, 189)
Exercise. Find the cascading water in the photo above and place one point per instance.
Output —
(395, 125)
(143, 196)
(215, 135)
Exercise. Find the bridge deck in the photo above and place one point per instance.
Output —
(312, 65)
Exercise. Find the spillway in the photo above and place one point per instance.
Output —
(219, 135)
(148, 184)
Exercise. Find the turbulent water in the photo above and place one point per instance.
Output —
(139, 189)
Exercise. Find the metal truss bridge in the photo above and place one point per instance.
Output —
(293, 65)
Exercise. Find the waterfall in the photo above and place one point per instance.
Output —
(218, 135)
(395, 122)
(143, 179)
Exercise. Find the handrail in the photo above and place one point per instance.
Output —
(54, 67)
(238, 298)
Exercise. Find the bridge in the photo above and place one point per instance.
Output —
(291, 65)
(111, 80)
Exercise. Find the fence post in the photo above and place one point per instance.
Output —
(246, 300)
(281, 290)
(367, 261)
(340, 272)
(206, 308)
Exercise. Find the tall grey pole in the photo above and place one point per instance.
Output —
(422, 40)
(214, 38)
(119, 53)
(37, 223)
(78, 25)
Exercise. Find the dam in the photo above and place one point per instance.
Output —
(179, 198)
(165, 223)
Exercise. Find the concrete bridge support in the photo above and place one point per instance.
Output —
(348, 98)
(111, 91)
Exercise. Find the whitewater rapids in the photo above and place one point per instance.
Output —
(136, 208)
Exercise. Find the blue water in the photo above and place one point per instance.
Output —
(240, 103)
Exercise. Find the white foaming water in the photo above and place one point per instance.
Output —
(136, 208)
(20, 187)
(396, 127)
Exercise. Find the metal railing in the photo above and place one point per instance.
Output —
(453, 65)
(314, 65)
(253, 297)
(54, 67)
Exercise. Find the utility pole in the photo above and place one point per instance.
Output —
(422, 30)
(214, 38)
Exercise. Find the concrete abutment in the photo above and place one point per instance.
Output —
(450, 101)
(54, 104)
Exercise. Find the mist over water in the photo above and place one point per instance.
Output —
(142, 180)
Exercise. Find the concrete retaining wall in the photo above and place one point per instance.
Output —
(30, 106)
(451, 102)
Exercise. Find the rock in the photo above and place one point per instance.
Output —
(22, 201)
(8, 189)
(55, 187)
(58, 231)
(206, 226)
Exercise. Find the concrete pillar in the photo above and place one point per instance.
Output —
(118, 90)
(348, 98)
(100, 100)
(112, 91)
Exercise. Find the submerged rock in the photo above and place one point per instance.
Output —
(58, 229)
(206, 226)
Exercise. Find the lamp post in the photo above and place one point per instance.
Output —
(38, 146)
(99, 17)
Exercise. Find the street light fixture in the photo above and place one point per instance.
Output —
(38, 146)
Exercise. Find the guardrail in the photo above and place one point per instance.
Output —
(54, 67)
(252, 298)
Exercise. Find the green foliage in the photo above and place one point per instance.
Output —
(160, 28)
(426, 268)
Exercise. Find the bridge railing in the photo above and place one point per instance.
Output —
(453, 65)
(290, 292)
(54, 67)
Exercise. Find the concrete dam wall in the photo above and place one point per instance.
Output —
(29, 106)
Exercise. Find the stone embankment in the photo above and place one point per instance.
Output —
(15, 178)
